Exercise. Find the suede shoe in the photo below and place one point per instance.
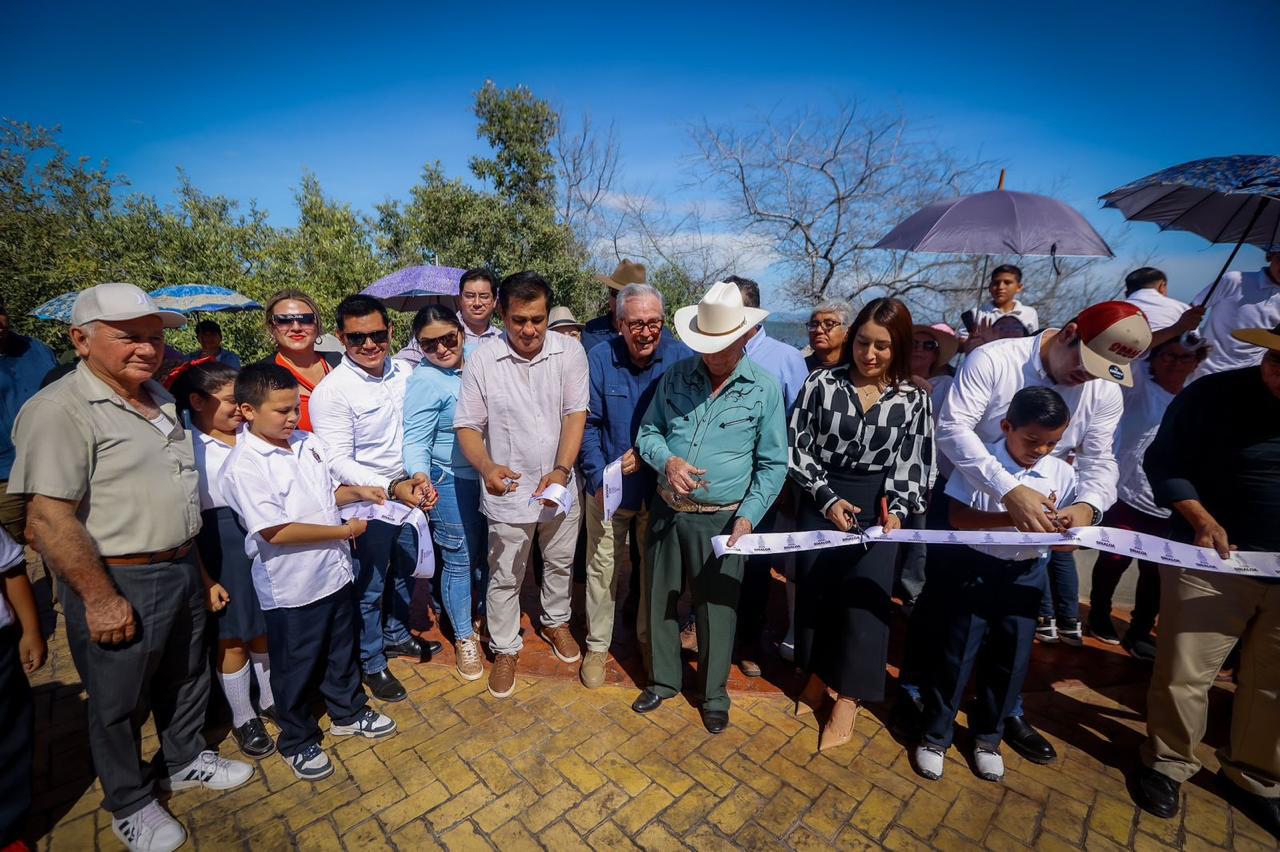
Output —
(749, 659)
(647, 702)
(1028, 742)
(1157, 793)
(562, 643)
(715, 721)
(592, 672)
(384, 686)
(502, 677)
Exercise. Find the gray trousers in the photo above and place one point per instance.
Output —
(164, 671)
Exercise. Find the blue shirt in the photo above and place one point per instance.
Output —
(429, 400)
(782, 360)
(597, 331)
(23, 364)
(620, 393)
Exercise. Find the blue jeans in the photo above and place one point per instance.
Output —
(1061, 586)
(459, 531)
(385, 552)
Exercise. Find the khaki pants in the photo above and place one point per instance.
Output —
(13, 513)
(1202, 616)
(607, 558)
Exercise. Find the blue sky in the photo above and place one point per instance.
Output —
(1081, 96)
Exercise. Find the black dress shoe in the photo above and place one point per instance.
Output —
(1026, 741)
(384, 686)
(1262, 810)
(253, 739)
(1157, 793)
(906, 718)
(647, 702)
(715, 721)
(421, 650)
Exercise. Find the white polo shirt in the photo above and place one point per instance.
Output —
(1144, 407)
(360, 418)
(979, 398)
(268, 486)
(11, 556)
(1051, 475)
(1162, 311)
(211, 457)
(1023, 313)
(1242, 300)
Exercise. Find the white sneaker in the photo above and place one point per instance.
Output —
(989, 764)
(929, 761)
(151, 829)
(311, 764)
(209, 770)
(369, 723)
(1046, 630)
(787, 648)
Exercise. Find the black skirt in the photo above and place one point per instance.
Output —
(221, 544)
(843, 596)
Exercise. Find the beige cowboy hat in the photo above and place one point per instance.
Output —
(625, 273)
(562, 317)
(1259, 337)
(718, 320)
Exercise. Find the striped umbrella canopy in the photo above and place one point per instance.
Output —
(415, 287)
(57, 309)
(202, 298)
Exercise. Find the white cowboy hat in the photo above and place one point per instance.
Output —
(718, 320)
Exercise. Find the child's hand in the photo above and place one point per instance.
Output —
(371, 493)
(357, 527)
(32, 651)
(218, 598)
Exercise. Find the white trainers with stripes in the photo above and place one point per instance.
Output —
(211, 771)
(151, 829)
(369, 723)
(929, 761)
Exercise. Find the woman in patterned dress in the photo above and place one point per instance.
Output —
(861, 451)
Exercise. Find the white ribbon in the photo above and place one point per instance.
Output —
(559, 495)
(1124, 542)
(612, 487)
(398, 514)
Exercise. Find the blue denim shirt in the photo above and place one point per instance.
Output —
(429, 400)
(23, 364)
(620, 393)
(596, 331)
(783, 360)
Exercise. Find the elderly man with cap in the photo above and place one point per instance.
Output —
(1216, 463)
(111, 477)
(605, 327)
(716, 435)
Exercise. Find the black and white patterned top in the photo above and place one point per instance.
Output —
(829, 430)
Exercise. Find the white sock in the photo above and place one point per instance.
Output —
(262, 673)
(236, 688)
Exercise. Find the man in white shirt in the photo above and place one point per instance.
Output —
(357, 410)
(1242, 300)
(519, 421)
(477, 301)
(1148, 288)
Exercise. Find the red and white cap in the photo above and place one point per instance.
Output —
(1112, 334)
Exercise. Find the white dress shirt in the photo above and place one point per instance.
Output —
(268, 486)
(211, 457)
(360, 418)
(1242, 300)
(11, 556)
(1050, 475)
(979, 399)
(1162, 311)
(1144, 406)
(1023, 313)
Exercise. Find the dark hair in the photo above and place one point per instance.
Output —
(1010, 318)
(204, 379)
(749, 289)
(480, 273)
(1015, 271)
(1142, 278)
(434, 313)
(896, 317)
(360, 305)
(1040, 405)
(208, 325)
(523, 287)
(256, 382)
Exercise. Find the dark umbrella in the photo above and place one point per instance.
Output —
(415, 287)
(1223, 199)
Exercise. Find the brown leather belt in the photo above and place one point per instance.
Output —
(171, 555)
(684, 504)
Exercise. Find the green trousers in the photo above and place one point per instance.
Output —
(680, 552)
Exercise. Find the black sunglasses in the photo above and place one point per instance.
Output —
(929, 345)
(356, 339)
(283, 320)
(429, 344)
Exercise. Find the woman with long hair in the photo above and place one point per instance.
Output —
(293, 321)
(861, 452)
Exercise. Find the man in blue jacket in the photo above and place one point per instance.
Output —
(624, 374)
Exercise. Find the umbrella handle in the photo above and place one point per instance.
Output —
(1262, 203)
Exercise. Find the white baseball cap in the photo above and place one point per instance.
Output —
(116, 301)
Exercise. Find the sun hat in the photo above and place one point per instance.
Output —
(717, 320)
(561, 317)
(116, 302)
(1267, 339)
(625, 273)
(946, 338)
(1112, 334)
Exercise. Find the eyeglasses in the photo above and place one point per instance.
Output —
(925, 345)
(429, 344)
(637, 326)
(477, 297)
(825, 325)
(285, 320)
(356, 339)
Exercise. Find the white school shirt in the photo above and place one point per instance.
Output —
(1161, 311)
(360, 418)
(1024, 313)
(11, 556)
(943, 468)
(1144, 406)
(211, 457)
(1242, 300)
(1051, 475)
(979, 398)
(268, 486)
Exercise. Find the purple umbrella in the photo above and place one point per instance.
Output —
(415, 287)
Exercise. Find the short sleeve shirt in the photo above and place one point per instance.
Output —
(211, 457)
(11, 556)
(137, 487)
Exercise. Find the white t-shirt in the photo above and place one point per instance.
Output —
(1161, 311)
(360, 418)
(211, 457)
(267, 486)
(1051, 475)
(1242, 300)
(1024, 313)
(1144, 406)
(11, 556)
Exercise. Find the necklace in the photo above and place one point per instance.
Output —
(869, 394)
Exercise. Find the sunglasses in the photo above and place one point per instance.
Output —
(926, 345)
(825, 325)
(285, 320)
(429, 344)
(356, 339)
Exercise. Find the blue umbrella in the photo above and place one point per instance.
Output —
(415, 287)
(202, 298)
(57, 309)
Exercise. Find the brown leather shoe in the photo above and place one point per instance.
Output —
(749, 659)
(502, 677)
(562, 643)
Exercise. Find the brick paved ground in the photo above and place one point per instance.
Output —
(561, 767)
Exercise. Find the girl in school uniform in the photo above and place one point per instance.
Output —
(206, 392)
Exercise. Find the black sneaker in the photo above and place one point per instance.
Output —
(1102, 628)
(1140, 645)
(253, 739)
(1070, 632)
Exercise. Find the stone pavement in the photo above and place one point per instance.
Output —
(561, 767)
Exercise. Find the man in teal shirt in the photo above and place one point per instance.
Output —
(716, 435)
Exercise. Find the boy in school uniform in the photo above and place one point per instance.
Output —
(279, 480)
(22, 652)
(1004, 287)
(993, 595)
